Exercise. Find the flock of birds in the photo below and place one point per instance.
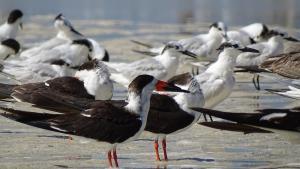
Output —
(71, 75)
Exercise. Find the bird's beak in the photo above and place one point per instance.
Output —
(291, 39)
(188, 53)
(6, 57)
(246, 49)
(164, 86)
(164, 49)
(21, 25)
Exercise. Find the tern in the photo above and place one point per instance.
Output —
(10, 28)
(217, 81)
(162, 66)
(66, 33)
(104, 122)
(272, 48)
(203, 45)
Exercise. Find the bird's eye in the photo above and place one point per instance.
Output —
(220, 29)
(235, 46)
(177, 47)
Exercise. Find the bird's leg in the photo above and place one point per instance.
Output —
(254, 82)
(204, 115)
(109, 159)
(156, 150)
(164, 145)
(115, 157)
(210, 118)
(257, 80)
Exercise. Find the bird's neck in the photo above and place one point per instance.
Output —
(224, 65)
(96, 83)
(68, 35)
(139, 104)
(170, 60)
(11, 30)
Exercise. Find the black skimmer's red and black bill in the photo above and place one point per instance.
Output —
(92, 82)
(104, 121)
(284, 119)
(169, 115)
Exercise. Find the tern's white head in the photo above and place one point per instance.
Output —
(174, 48)
(234, 48)
(227, 57)
(9, 47)
(218, 29)
(96, 78)
(65, 28)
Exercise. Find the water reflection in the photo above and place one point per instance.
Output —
(233, 12)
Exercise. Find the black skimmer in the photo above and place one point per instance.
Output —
(169, 115)
(284, 119)
(91, 81)
(10, 28)
(104, 121)
(166, 116)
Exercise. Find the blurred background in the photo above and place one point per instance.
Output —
(233, 12)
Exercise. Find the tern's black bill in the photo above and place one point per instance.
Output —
(188, 53)
(246, 49)
(291, 39)
(164, 86)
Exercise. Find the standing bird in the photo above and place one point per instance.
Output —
(10, 28)
(104, 122)
(272, 48)
(162, 66)
(169, 115)
(218, 80)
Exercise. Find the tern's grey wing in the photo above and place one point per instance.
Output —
(214, 88)
(145, 66)
(191, 44)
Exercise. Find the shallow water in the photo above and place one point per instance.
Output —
(201, 147)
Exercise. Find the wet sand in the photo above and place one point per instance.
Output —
(23, 146)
